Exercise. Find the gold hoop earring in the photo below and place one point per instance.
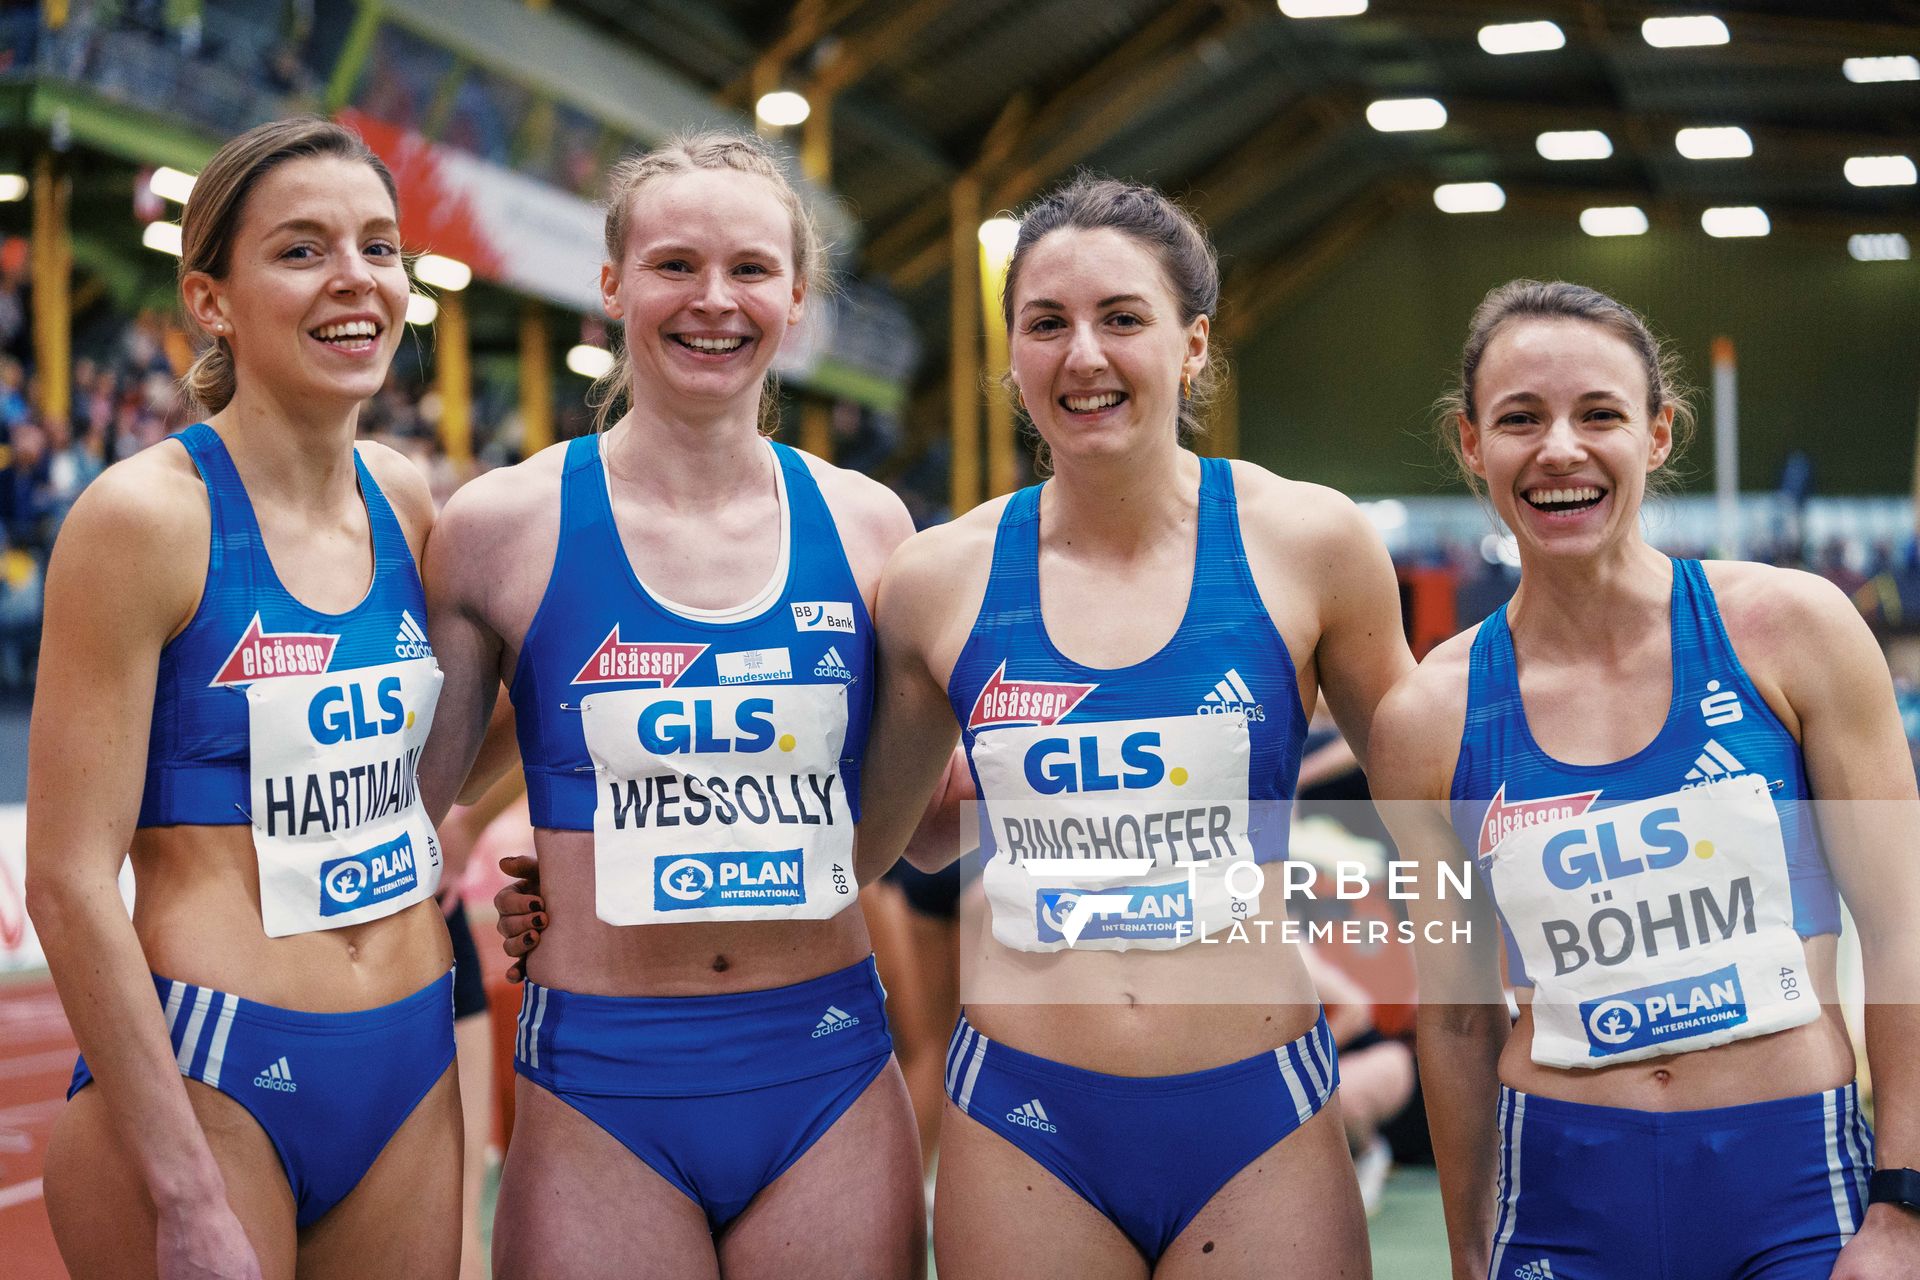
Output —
(1021, 396)
(1186, 386)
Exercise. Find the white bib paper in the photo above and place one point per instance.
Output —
(1656, 927)
(338, 828)
(720, 804)
(1118, 835)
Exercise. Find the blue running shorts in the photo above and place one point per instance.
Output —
(717, 1094)
(1146, 1151)
(1764, 1191)
(329, 1089)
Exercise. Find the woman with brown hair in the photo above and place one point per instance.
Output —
(234, 688)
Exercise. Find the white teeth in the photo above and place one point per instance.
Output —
(349, 329)
(1544, 497)
(715, 344)
(1087, 404)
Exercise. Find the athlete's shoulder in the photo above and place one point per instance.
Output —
(955, 547)
(1276, 507)
(1419, 723)
(406, 488)
(939, 575)
(1786, 622)
(871, 518)
(500, 521)
(131, 534)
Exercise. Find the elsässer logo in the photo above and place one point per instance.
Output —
(261, 655)
(1504, 819)
(619, 661)
(1004, 701)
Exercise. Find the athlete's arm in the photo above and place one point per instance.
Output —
(1462, 1020)
(911, 744)
(1834, 678)
(473, 539)
(119, 584)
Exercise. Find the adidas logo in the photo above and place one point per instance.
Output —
(1541, 1270)
(835, 1019)
(833, 666)
(411, 642)
(1714, 762)
(1230, 695)
(277, 1076)
(1033, 1116)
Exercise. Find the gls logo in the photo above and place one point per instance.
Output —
(1578, 858)
(338, 713)
(671, 725)
(1054, 765)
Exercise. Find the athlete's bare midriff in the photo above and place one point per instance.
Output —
(1786, 1064)
(580, 952)
(1141, 1013)
(197, 912)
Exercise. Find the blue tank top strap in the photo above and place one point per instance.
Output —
(809, 520)
(390, 547)
(231, 513)
(1013, 582)
(1221, 571)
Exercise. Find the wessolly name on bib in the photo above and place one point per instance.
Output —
(720, 803)
(1655, 927)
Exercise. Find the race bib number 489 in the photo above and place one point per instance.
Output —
(720, 803)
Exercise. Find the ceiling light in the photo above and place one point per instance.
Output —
(1469, 197)
(1522, 37)
(171, 184)
(1881, 171)
(1876, 70)
(1890, 247)
(1401, 115)
(1574, 144)
(589, 361)
(12, 187)
(998, 236)
(1732, 222)
(1614, 220)
(421, 309)
(450, 274)
(782, 108)
(1679, 33)
(164, 236)
(1724, 143)
(1322, 8)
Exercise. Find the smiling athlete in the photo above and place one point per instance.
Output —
(1627, 751)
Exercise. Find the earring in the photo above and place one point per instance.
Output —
(1021, 396)
(1186, 386)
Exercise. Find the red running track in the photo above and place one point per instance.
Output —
(36, 1062)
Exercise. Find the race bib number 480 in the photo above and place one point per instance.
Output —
(720, 803)
(338, 828)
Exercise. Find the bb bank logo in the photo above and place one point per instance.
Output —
(689, 881)
(1665, 1011)
(823, 615)
(1134, 911)
(370, 876)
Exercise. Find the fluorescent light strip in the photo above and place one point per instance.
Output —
(164, 236)
(13, 187)
(1322, 8)
(1469, 197)
(1727, 142)
(589, 361)
(450, 274)
(1881, 171)
(421, 309)
(783, 108)
(1614, 220)
(1681, 33)
(1729, 223)
(1881, 70)
(1574, 144)
(1403, 115)
(171, 184)
(1888, 247)
(1522, 37)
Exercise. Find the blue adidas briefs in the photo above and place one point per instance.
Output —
(1147, 1151)
(329, 1089)
(1765, 1191)
(719, 1094)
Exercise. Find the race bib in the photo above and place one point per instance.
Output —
(1117, 835)
(338, 828)
(1656, 927)
(720, 804)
